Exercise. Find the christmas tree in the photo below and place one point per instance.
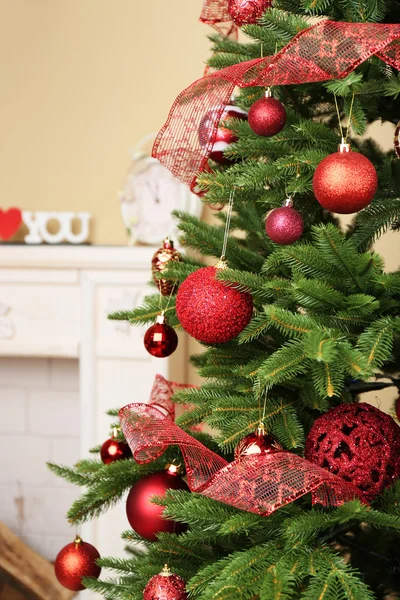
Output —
(295, 493)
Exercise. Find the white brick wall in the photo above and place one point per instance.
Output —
(39, 421)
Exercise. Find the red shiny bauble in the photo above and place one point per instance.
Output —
(209, 310)
(345, 182)
(160, 261)
(397, 408)
(146, 518)
(160, 340)
(113, 450)
(75, 561)
(257, 443)
(284, 225)
(359, 443)
(267, 116)
(223, 136)
(165, 586)
(245, 12)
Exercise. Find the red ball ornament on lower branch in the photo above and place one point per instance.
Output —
(209, 310)
(359, 443)
(144, 516)
(75, 561)
(165, 586)
(160, 340)
(246, 12)
(267, 116)
(284, 225)
(345, 182)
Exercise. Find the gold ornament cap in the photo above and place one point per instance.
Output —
(166, 571)
(160, 320)
(222, 263)
(344, 146)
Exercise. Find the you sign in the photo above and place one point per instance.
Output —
(38, 226)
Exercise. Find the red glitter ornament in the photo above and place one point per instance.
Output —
(160, 261)
(267, 116)
(359, 443)
(345, 182)
(209, 310)
(165, 586)
(223, 136)
(284, 225)
(259, 442)
(146, 518)
(245, 12)
(75, 561)
(160, 340)
(397, 408)
(113, 450)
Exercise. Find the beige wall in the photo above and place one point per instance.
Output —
(82, 81)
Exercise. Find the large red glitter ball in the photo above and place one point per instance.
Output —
(146, 518)
(209, 310)
(345, 182)
(167, 586)
(267, 116)
(257, 443)
(75, 561)
(359, 443)
(113, 450)
(284, 225)
(160, 340)
(245, 12)
(223, 136)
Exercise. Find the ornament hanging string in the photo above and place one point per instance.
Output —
(227, 224)
(348, 129)
(327, 50)
(259, 483)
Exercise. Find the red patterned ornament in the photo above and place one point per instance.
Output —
(397, 408)
(160, 340)
(259, 442)
(396, 140)
(209, 310)
(284, 225)
(267, 116)
(114, 449)
(75, 561)
(165, 586)
(146, 518)
(223, 137)
(160, 261)
(345, 182)
(246, 12)
(360, 444)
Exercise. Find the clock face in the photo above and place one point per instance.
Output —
(152, 193)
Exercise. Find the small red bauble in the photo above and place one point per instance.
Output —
(146, 518)
(359, 443)
(160, 340)
(160, 261)
(113, 450)
(345, 182)
(165, 586)
(209, 310)
(259, 442)
(245, 12)
(75, 561)
(223, 136)
(397, 408)
(267, 116)
(284, 225)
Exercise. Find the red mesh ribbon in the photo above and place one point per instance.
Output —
(161, 394)
(258, 484)
(215, 13)
(328, 50)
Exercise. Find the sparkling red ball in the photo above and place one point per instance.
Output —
(284, 225)
(160, 340)
(360, 444)
(75, 561)
(113, 450)
(267, 116)
(345, 182)
(245, 12)
(256, 443)
(165, 587)
(144, 516)
(209, 310)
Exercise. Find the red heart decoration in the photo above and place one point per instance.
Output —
(10, 220)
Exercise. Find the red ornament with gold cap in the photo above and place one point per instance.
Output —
(160, 340)
(267, 116)
(165, 586)
(144, 516)
(260, 442)
(345, 182)
(162, 258)
(114, 449)
(75, 561)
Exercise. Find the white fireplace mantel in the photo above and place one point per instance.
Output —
(54, 302)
